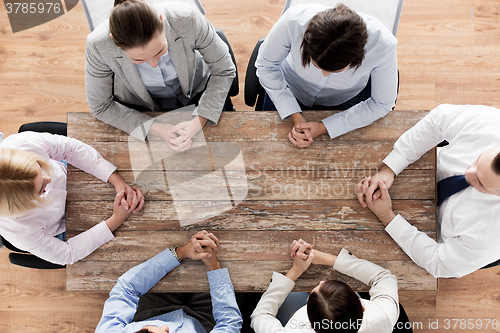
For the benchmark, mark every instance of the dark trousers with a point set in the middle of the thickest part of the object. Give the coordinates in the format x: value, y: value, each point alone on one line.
x: 196, y: 305
x: 363, y: 95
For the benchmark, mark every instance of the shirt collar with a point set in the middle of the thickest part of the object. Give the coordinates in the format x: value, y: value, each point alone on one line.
x: 173, y: 320
x: 476, y: 195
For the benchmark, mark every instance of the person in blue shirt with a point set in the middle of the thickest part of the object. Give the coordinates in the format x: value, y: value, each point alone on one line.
x: 122, y: 309
x: 328, y: 58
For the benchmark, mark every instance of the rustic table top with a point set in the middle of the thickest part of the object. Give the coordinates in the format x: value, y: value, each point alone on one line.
x: 245, y: 182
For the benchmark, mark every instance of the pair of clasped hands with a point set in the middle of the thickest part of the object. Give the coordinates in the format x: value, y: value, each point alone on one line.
x: 304, y: 255
x: 178, y: 137
x: 304, y: 132
x: 202, y: 246
x: 373, y: 192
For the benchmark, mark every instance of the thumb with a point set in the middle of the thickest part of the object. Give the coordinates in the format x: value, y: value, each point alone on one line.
x: 174, y: 129
x: 203, y: 255
x: 383, y: 189
x: 311, y: 257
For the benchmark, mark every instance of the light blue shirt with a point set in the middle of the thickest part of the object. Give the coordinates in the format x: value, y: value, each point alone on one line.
x: 280, y: 71
x: 162, y: 82
x: 121, y: 306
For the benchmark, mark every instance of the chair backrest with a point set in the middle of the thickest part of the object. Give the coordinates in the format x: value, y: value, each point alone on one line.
x: 97, y: 11
x: 388, y: 12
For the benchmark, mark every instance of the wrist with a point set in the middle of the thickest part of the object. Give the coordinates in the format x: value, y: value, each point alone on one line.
x: 181, y: 255
x: 386, y: 169
x: 294, y: 273
x: 113, y: 222
x: 212, y: 266
x: 387, y: 218
x: 202, y: 120
x: 297, y: 118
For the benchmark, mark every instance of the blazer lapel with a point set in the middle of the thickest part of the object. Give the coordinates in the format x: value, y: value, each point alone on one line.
x: 182, y: 62
x: 134, y: 78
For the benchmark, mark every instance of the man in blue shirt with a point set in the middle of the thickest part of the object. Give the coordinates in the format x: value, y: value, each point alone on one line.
x: 122, y: 304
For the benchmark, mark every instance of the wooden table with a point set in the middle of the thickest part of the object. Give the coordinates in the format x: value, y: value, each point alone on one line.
x: 292, y: 193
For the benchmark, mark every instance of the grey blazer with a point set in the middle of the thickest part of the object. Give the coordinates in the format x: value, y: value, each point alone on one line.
x: 197, y: 52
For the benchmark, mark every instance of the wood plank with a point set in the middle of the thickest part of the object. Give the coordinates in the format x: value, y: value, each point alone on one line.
x: 250, y: 245
x: 102, y: 276
x: 252, y: 126
x: 259, y: 185
x: 257, y: 215
x: 275, y: 155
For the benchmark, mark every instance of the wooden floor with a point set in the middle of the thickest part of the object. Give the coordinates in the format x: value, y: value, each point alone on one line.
x: 448, y: 53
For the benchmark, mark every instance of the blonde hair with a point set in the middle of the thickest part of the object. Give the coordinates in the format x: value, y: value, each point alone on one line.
x: 18, y: 170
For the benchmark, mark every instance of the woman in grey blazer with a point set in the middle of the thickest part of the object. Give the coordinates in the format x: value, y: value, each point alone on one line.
x: 152, y: 58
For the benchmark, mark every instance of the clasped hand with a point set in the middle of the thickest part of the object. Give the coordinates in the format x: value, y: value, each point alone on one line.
x: 179, y: 137
x: 303, y: 132
x: 373, y: 192
x: 302, y: 254
x: 202, y: 246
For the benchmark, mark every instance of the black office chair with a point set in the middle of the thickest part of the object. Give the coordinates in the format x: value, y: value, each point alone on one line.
x: 25, y: 259
x: 17, y: 256
x: 254, y: 92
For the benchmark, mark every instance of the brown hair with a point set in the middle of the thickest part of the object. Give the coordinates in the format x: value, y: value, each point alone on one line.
x: 133, y: 23
x: 495, y: 164
x: 335, y: 39
x: 143, y: 330
x: 18, y: 170
x: 334, y: 307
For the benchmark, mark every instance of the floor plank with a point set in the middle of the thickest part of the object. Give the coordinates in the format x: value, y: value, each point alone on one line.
x: 447, y: 53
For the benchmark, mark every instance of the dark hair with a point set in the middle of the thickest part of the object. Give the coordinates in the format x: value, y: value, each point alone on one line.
x: 335, y: 39
x: 336, y: 302
x: 143, y: 330
x: 495, y: 165
x: 133, y: 23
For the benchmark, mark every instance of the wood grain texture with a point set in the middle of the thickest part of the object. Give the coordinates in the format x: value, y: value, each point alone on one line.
x: 261, y: 185
x: 322, y: 156
x: 92, y: 275
x: 258, y: 215
x: 447, y: 53
x: 258, y: 246
x: 255, y: 126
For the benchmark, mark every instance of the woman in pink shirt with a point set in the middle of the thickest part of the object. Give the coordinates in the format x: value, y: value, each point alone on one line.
x: 33, y: 195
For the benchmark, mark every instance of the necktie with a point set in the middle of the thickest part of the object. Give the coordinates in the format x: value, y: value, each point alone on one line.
x: 449, y: 186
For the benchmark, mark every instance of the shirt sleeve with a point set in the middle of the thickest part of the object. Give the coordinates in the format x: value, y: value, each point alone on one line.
x: 384, y: 86
x: 99, y: 81
x: 263, y: 318
x: 272, y: 53
x: 216, y: 55
x: 121, y: 306
x: 425, y: 135
x: 59, y: 252
x: 452, y: 258
x: 224, y: 307
x: 383, y: 285
x: 58, y: 147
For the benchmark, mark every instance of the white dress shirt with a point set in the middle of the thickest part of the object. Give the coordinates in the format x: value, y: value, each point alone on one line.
x: 35, y: 230
x: 280, y: 71
x: 469, y: 228
x: 381, y: 311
